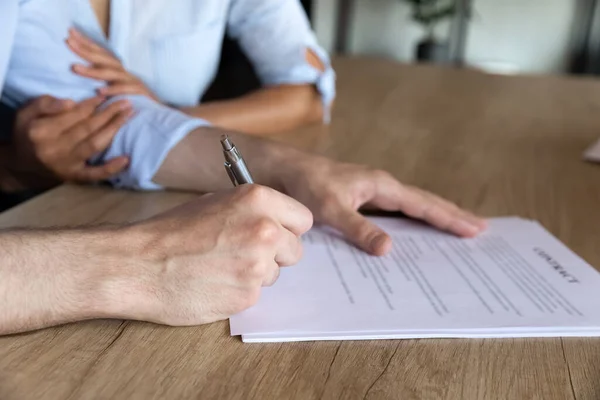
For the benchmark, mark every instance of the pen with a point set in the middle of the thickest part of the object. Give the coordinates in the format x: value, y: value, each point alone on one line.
x: 234, y: 163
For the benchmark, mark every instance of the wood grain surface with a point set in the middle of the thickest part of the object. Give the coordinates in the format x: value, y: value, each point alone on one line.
x: 498, y: 145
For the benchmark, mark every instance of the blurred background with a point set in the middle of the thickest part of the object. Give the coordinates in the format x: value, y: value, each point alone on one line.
x: 511, y: 36
x: 498, y: 36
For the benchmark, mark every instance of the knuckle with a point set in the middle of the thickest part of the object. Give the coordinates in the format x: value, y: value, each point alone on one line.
x: 37, y: 131
x: 380, y: 174
x: 255, y: 194
x: 257, y: 269
x: 432, y: 211
x: 45, y: 153
x: 451, y: 207
x: 85, y: 109
x: 95, y: 145
x: 115, y: 108
x: 44, y: 101
x: 87, y: 127
x: 330, y: 203
x: 265, y: 231
x: 250, y: 271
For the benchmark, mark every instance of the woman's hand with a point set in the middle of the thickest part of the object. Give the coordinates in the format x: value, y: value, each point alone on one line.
x: 104, y: 66
x: 54, y: 138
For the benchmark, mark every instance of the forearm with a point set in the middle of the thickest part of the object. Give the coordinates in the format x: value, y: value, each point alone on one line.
x: 196, y: 163
x: 55, y: 277
x: 266, y: 111
x: 169, y: 149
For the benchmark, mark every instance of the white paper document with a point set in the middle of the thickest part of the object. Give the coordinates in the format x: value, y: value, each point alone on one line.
x: 515, y: 280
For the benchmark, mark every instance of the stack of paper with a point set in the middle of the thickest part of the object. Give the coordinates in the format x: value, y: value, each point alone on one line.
x: 515, y: 280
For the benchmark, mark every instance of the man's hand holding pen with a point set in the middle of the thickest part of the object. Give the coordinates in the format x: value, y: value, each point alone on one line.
x: 246, y: 235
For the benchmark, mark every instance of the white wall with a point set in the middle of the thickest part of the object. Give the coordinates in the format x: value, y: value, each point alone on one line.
x: 532, y: 35
x: 324, y: 19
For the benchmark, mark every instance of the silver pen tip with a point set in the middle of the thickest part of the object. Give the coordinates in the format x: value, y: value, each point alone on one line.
x: 226, y: 143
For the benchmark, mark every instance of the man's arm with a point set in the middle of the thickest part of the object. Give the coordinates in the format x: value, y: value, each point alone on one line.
x: 151, y: 270
x: 55, y: 277
x: 333, y: 191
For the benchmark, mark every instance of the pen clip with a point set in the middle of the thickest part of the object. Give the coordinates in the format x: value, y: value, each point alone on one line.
x: 231, y: 174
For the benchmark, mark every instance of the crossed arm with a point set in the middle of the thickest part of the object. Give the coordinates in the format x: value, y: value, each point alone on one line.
x: 268, y: 110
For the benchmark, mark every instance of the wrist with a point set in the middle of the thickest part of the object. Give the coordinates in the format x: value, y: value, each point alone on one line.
x: 119, y: 273
x: 281, y: 165
x: 93, y: 272
x: 102, y: 264
x: 294, y: 168
x: 52, y: 277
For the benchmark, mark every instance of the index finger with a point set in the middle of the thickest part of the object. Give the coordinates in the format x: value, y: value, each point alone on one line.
x: 90, y: 51
x: 291, y: 214
x: 44, y: 106
x: 360, y: 231
x: 391, y: 195
x: 102, y: 172
x: 70, y: 118
x: 94, y: 123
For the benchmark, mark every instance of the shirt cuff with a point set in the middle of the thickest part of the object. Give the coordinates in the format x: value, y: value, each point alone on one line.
x: 147, y: 139
x: 304, y: 73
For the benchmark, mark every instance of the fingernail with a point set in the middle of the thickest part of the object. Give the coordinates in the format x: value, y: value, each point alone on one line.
x: 377, y: 243
x: 468, y: 228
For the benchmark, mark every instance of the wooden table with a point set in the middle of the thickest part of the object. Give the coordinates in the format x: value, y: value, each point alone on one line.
x: 498, y: 145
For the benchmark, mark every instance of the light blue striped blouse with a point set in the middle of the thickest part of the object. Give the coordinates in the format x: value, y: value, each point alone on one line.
x: 174, y: 47
x: 8, y: 22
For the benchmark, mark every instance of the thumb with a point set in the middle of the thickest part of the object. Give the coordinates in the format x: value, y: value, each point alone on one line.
x: 361, y: 232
